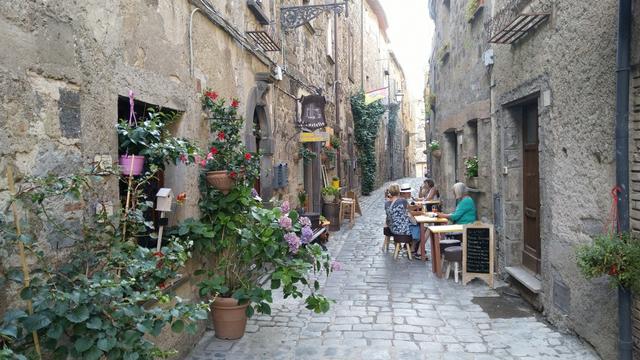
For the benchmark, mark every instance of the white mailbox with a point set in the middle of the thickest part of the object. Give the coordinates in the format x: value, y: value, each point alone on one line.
x: 164, y: 197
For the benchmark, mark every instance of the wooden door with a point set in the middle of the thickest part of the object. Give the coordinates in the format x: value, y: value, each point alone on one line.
x: 531, y: 189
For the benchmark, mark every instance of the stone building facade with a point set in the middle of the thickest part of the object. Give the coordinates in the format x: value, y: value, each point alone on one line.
x: 459, y: 97
x: 546, y: 109
x: 73, y: 65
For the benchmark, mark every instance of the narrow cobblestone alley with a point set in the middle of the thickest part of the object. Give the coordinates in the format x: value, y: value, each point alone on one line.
x: 392, y: 309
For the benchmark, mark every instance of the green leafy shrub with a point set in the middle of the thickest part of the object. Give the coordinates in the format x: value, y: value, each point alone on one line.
x: 616, y: 256
x: 107, y: 298
x: 434, y: 145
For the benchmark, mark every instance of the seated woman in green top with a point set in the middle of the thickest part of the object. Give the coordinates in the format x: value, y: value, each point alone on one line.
x: 465, y: 212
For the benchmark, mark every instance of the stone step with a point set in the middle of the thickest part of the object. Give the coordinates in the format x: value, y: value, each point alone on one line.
x: 525, y: 277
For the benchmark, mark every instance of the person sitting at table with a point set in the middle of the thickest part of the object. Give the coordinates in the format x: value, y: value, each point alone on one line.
x: 405, y: 192
x: 397, y: 212
x: 428, y: 192
x: 465, y: 212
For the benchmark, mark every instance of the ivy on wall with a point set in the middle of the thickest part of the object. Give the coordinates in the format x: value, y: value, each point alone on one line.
x: 366, y: 119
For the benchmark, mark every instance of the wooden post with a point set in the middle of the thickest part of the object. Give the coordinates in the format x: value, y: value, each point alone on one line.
x: 126, y: 206
x: 23, y: 257
x: 159, y: 242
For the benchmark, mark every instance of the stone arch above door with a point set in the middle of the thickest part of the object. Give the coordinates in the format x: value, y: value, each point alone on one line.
x: 257, y: 108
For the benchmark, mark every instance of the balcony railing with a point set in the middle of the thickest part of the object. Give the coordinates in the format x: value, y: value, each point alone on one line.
x: 516, y: 19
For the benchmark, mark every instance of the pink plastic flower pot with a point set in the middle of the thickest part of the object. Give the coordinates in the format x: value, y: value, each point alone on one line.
x: 131, y: 164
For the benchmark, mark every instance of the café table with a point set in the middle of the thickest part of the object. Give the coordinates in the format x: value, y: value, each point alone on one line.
x: 422, y: 220
x: 437, y: 231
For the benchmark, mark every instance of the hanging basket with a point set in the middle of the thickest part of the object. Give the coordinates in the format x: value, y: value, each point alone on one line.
x: 437, y: 153
x: 131, y: 164
x: 220, y: 180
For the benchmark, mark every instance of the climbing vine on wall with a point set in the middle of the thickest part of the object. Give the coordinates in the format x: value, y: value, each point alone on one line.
x: 366, y: 118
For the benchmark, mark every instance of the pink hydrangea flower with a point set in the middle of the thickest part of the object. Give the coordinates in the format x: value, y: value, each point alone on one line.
x: 285, y: 222
x: 285, y: 207
x: 294, y: 242
x: 336, y: 266
x: 305, y: 221
x: 307, y: 234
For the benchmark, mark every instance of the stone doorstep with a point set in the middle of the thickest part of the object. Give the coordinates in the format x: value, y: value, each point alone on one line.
x: 525, y: 277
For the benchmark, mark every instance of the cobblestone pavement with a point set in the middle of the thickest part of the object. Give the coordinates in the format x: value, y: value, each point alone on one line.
x: 392, y: 309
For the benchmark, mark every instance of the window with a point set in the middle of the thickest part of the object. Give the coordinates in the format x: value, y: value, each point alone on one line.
x: 141, y: 110
x: 330, y: 40
x: 350, y: 60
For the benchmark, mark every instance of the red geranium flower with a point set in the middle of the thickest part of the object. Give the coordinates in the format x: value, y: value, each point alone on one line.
x: 180, y: 198
x: 233, y: 175
x: 213, y: 150
x: 613, y: 271
x: 221, y: 135
x: 235, y: 103
x: 183, y: 158
x: 158, y: 254
x: 247, y: 156
x: 211, y: 95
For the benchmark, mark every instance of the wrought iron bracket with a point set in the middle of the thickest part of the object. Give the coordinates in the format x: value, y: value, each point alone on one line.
x: 292, y: 17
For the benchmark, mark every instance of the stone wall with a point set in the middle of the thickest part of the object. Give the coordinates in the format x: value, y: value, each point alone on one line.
x: 567, y: 65
x: 459, y: 81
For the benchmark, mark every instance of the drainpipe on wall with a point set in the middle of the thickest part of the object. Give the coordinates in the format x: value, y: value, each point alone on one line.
x: 622, y: 165
x: 336, y: 84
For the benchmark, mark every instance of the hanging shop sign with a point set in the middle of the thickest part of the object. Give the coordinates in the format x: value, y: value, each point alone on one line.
x: 311, y: 113
x: 321, y: 136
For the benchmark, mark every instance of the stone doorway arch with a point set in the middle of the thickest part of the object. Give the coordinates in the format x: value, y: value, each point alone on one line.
x: 259, y: 134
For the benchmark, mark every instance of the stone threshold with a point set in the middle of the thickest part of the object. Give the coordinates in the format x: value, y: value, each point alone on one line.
x: 525, y: 277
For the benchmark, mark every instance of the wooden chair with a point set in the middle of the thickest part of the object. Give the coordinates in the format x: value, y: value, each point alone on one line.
x: 387, y: 239
x: 352, y: 195
x: 347, y: 205
x: 402, y: 241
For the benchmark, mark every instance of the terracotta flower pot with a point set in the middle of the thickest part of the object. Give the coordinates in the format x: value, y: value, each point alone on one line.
x: 229, y: 318
x: 131, y: 164
x: 220, y: 180
x: 437, y: 153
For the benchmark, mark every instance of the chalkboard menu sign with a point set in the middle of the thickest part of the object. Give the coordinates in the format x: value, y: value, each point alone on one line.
x: 478, y: 253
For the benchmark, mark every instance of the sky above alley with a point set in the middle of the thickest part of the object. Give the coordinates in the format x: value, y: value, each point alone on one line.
x: 410, y: 32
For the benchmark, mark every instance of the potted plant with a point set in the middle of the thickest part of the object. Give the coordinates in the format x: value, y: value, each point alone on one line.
x: 228, y: 160
x: 434, y: 148
x: 471, y: 170
x: 133, y: 142
x: 151, y: 139
x: 335, y: 182
x: 328, y: 154
x: 306, y: 154
x: 617, y: 256
x: 329, y: 194
x: 302, y: 201
x: 335, y: 142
